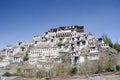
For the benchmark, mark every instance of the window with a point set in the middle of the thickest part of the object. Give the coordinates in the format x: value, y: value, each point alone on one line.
x: 73, y: 39
x: 78, y: 43
x: 36, y: 42
x: 60, y: 39
x: 51, y: 40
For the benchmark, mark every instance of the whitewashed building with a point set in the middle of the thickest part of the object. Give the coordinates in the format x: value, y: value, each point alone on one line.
x: 17, y: 58
x: 66, y: 39
x: 4, y: 62
x: 43, y: 54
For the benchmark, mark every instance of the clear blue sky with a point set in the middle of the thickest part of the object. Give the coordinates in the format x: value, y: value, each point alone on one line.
x: 20, y: 20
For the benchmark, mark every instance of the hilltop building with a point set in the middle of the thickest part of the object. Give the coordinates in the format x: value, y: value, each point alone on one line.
x: 44, y: 50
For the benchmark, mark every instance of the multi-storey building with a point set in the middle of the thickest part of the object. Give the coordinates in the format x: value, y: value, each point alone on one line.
x: 43, y: 54
x: 47, y: 48
x: 67, y: 39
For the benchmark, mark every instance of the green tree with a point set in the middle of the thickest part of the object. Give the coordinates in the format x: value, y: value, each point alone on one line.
x: 107, y: 40
x: 25, y: 58
x: 117, y: 46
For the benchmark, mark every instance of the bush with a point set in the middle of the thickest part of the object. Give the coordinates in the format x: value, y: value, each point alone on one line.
x: 107, y: 40
x: 7, y: 74
x: 109, y: 69
x: 72, y: 71
x: 14, y: 74
x: 41, y: 73
x: 25, y: 58
x: 117, y: 46
x: 118, y: 67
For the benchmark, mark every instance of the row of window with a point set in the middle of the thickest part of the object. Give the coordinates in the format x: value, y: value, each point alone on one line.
x: 104, y: 45
x: 36, y: 53
x: 41, y: 50
x: 47, y: 65
x: 64, y: 34
x: 93, y: 50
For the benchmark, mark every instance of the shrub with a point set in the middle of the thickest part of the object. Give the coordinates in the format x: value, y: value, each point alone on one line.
x: 25, y: 58
x: 41, y: 73
x: 118, y: 67
x: 107, y: 40
x: 72, y: 71
x: 7, y: 74
x: 117, y: 46
x: 15, y: 74
x: 110, y: 69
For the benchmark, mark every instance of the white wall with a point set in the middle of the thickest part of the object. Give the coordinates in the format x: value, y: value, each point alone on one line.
x: 81, y: 59
x: 17, y: 59
x: 93, y: 57
x: 4, y: 63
